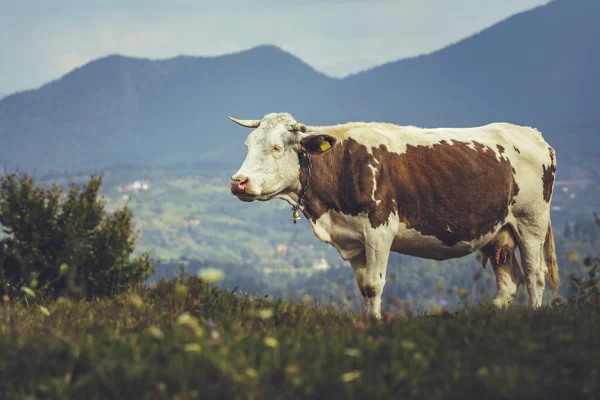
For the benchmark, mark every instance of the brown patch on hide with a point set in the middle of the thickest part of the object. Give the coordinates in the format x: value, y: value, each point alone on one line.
x: 548, y: 181
x: 500, y: 148
x: 516, y: 149
x: 449, y: 190
x: 371, y: 292
x: 362, y: 291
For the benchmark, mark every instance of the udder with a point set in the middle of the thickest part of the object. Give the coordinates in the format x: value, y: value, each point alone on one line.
x: 499, y: 247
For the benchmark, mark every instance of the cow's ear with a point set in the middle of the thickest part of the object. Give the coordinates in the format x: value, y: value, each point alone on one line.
x: 317, y: 144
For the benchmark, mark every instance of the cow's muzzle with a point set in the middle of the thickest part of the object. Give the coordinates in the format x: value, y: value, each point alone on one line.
x: 239, y: 187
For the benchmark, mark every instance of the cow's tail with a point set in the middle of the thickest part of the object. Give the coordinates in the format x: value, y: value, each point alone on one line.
x: 550, y: 255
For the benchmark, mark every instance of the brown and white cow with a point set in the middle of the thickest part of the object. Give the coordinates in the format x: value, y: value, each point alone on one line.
x: 432, y: 193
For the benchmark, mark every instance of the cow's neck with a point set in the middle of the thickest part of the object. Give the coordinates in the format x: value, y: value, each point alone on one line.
x: 341, y: 180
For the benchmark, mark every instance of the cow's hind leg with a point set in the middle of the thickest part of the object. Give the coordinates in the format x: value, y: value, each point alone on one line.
x: 534, y: 267
x: 531, y: 247
x: 508, y: 278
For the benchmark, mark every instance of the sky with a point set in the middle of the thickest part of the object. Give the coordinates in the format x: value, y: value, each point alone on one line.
x: 42, y: 40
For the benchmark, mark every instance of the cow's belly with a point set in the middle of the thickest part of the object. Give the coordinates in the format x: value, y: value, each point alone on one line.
x: 346, y: 234
x: 413, y: 243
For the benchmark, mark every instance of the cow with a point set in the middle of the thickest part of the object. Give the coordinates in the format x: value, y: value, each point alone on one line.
x: 371, y: 188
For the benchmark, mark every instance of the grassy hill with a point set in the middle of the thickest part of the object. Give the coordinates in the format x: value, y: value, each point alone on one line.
x: 185, y: 340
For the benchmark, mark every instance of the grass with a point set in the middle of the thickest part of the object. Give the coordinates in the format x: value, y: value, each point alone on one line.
x: 184, y: 339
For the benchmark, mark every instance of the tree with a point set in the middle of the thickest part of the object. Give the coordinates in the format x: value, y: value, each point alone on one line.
x: 66, y: 245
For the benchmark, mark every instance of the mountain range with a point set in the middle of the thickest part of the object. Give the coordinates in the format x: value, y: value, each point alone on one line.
x: 537, y: 68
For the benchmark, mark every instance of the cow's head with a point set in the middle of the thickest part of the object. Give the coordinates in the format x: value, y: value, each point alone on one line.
x: 272, y: 165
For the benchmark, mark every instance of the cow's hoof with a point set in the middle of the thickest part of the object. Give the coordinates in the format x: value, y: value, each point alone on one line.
x: 501, y: 303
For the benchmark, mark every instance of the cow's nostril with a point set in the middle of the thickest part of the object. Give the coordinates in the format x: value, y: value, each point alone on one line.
x: 240, y: 180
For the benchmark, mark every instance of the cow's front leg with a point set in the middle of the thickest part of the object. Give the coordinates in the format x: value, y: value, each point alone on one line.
x: 359, y: 265
x: 370, y: 268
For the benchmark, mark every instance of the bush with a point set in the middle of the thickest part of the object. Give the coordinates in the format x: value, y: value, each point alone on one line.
x: 66, y: 245
x: 586, y: 289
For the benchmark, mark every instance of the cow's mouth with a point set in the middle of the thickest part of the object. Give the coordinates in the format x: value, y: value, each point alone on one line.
x: 241, y: 192
x: 247, y: 197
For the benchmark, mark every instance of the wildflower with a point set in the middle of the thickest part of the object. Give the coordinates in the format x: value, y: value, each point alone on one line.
x: 585, y: 389
x: 62, y: 269
x: 155, y: 332
x: 251, y: 372
x: 264, y: 313
x: 350, y: 376
x: 271, y: 342
x: 211, y: 323
x: 482, y: 372
x: 192, y: 348
x: 443, y: 303
x: 181, y: 291
x: 5, y: 298
x: 360, y: 326
x: 573, y: 256
x: 408, y: 345
x: 211, y: 275
x: 214, y: 335
x: 352, y: 352
x: 187, y: 320
x: 136, y: 301
x: 28, y: 291
x: 462, y: 292
x: 307, y: 300
x: 44, y: 311
x: 388, y: 320
x: 291, y: 369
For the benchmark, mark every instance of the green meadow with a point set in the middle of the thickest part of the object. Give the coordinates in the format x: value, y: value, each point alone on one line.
x: 186, y: 339
x: 230, y: 314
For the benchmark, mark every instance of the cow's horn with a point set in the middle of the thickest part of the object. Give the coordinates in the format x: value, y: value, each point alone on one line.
x: 300, y: 127
x: 248, y: 123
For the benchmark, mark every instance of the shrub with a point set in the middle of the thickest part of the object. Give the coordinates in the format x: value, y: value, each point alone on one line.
x: 586, y: 289
x: 66, y: 245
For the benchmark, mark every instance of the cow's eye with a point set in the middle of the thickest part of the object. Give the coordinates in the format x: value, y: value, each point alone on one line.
x: 277, y: 148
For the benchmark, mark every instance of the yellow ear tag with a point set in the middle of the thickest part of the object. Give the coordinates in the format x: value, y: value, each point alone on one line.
x: 325, y: 145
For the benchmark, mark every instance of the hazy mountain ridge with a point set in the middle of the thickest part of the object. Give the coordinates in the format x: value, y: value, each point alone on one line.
x: 536, y: 68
